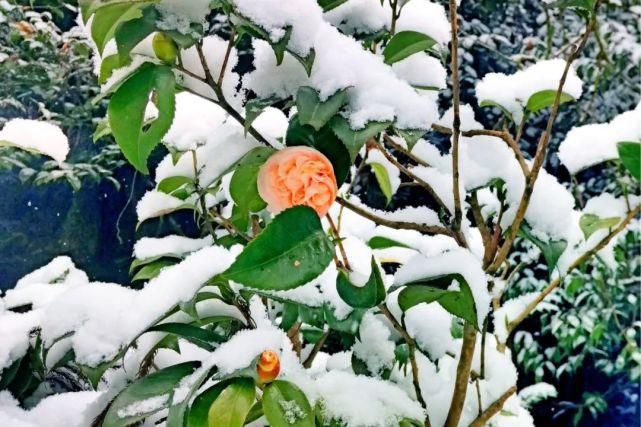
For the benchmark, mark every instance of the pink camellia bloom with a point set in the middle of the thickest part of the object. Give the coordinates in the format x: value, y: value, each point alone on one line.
x: 297, y: 176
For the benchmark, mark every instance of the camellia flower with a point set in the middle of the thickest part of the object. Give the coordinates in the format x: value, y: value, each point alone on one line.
x: 297, y: 176
x: 268, y: 366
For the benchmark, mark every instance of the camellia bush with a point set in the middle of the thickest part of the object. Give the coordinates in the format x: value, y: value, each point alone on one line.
x: 300, y: 304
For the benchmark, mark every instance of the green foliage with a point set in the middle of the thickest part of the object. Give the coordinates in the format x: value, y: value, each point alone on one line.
x: 369, y: 295
x: 231, y: 407
x: 284, y: 404
x: 289, y: 252
x: 314, y: 112
x: 551, y: 249
x: 544, y: 99
x: 630, y: 155
x: 591, y: 223
x: 406, y: 43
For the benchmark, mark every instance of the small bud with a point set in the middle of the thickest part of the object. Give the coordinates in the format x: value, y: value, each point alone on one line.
x: 165, y: 48
x: 268, y: 366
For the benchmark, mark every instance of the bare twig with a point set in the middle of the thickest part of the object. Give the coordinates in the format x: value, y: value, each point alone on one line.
x: 493, y: 409
x: 223, y: 67
x: 462, y: 376
x: 405, y: 152
x: 540, y: 155
x: 412, y: 355
x: 317, y: 346
x: 456, y: 124
x: 427, y: 229
x: 339, y: 242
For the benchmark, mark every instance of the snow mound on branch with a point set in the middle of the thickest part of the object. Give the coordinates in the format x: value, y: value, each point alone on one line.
x: 360, y: 16
x: 36, y: 136
x: 59, y: 410
x: 425, y: 17
x: 588, y: 145
x: 513, y: 91
x: 150, y: 247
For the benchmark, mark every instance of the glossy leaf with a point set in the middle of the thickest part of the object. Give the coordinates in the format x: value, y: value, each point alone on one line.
x: 355, y: 139
x: 292, y: 250
x: 153, y: 269
x: 551, y: 249
x: 108, y: 18
x: 285, y: 405
x: 231, y: 407
x: 544, y: 99
x: 380, y: 242
x: 369, y: 295
x: 630, y: 155
x: 243, y: 188
x: 254, y: 108
x: 129, y: 34
x: 328, y: 5
x: 203, y: 338
x: 406, y: 43
x: 314, y: 112
x: 127, y: 108
x: 383, y: 180
x: 155, y: 385
x: 459, y: 302
x: 591, y: 223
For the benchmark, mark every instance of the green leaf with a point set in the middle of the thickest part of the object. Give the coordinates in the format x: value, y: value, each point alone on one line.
x: 306, y: 61
x: 371, y: 294
x: 281, y: 45
x: 630, y: 155
x: 157, y: 384
x: 199, y: 411
x: 127, y: 109
x: 177, y: 186
x: 460, y: 302
x: 285, y: 405
x: 355, y: 139
x: 231, y: 407
x: 411, y: 136
x: 244, y: 189
x: 254, y: 108
x: 324, y: 141
x: 328, y: 5
x: 132, y: 32
x: 406, y: 43
x: 380, y: 242
x: 591, y: 223
x: 292, y: 250
x: 490, y: 103
x: 201, y: 337
x: 108, y: 18
x: 314, y: 112
x: 551, y: 249
x: 544, y: 99
x: 383, y: 180
x: 153, y: 269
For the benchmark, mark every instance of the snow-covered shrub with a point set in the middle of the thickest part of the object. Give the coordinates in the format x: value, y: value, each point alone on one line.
x: 299, y: 304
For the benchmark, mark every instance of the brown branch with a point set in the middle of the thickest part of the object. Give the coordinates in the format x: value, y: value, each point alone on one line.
x: 339, y: 242
x: 405, y: 152
x: 502, y: 134
x: 223, y: 67
x: 411, y: 345
x: 486, y: 236
x: 541, y: 151
x: 576, y: 263
x: 456, y: 124
x: 462, y: 376
x: 493, y: 409
x: 317, y: 346
x: 427, y: 229
x: 426, y: 186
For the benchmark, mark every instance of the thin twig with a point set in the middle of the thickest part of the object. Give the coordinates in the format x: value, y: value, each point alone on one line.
x: 541, y: 151
x: 462, y: 376
x: 427, y: 229
x: 412, y: 355
x: 396, y: 146
x: 493, y: 409
x: 576, y: 263
x: 456, y: 124
x: 338, y: 241
x: 223, y: 67
x: 317, y: 346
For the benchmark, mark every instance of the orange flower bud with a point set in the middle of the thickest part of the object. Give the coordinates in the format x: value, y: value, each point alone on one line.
x: 268, y: 366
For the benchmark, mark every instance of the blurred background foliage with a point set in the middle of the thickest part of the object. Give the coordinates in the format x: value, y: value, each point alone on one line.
x: 585, y: 341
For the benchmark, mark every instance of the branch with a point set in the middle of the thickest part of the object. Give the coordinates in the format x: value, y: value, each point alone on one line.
x: 221, y: 97
x: 541, y: 151
x: 456, y: 89
x: 405, y: 152
x: 412, y: 355
x: 223, y: 67
x: 427, y: 229
x: 317, y: 346
x: 502, y: 134
x: 462, y: 376
x: 576, y: 263
x: 493, y: 409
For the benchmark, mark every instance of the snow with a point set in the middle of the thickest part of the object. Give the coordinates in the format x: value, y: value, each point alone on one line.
x: 425, y: 17
x: 36, y: 136
x: 272, y: 124
x: 360, y: 16
x: 106, y: 317
x: 60, y: 269
x: 537, y: 392
x: 155, y: 203
x: 14, y: 330
x: 421, y: 70
x: 150, y: 247
x: 178, y: 14
x: 59, y: 410
x: 360, y: 401
x: 195, y: 122
x: 513, y: 91
x: 508, y: 312
x: 588, y: 145
x: 144, y: 406
x: 460, y: 261
x: 414, y: 214
x: 375, y: 92
x: 429, y: 325
x: 373, y: 345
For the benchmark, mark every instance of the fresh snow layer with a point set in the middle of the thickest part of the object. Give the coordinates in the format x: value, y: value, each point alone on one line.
x: 36, y: 136
x: 425, y: 17
x: 513, y: 91
x: 58, y: 410
x: 360, y: 16
x: 588, y: 145
x: 150, y: 247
